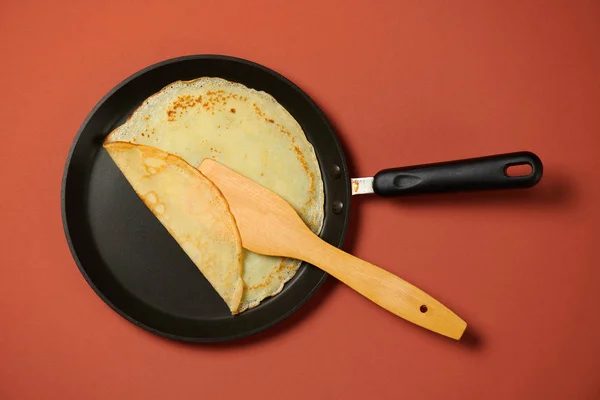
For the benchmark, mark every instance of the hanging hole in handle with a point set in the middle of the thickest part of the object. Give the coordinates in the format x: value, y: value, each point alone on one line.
x: 518, y: 170
x: 423, y: 308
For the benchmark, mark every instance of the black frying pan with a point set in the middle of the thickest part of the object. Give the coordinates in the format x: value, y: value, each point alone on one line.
x: 138, y: 269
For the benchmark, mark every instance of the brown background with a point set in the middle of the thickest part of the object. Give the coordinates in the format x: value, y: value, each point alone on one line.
x: 404, y: 82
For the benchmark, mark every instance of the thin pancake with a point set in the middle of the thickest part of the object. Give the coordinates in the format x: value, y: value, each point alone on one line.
x: 192, y: 209
x: 251, y: 133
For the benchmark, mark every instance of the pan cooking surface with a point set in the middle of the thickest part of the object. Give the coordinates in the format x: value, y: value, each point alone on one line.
x: 129, y: 258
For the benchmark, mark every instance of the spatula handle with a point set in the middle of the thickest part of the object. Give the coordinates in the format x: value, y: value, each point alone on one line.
x: 387, y: 290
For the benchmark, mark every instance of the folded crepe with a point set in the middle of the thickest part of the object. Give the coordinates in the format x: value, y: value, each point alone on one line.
x: 192, y: 209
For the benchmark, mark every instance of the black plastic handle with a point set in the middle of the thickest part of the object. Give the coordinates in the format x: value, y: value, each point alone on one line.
x: 482, y: 173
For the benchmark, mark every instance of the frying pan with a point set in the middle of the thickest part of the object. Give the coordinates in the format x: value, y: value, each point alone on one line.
x: 139, y: 270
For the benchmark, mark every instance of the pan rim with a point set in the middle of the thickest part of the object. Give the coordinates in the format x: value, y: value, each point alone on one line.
x: 344, y: 175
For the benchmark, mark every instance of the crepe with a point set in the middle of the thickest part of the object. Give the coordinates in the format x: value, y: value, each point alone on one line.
x: 249, y: 132
x: 192, y: 209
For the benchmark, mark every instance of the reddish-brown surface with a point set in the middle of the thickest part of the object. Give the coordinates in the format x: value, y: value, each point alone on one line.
x: 404, y: 82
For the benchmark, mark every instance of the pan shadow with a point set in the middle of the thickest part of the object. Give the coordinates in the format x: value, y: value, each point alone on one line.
x: 553, y: 191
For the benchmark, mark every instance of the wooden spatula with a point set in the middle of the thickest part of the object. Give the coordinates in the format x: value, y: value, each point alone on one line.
x: 269, y: 225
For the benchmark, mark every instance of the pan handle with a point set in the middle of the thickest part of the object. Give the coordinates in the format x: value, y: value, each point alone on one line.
x: 482, y: 173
